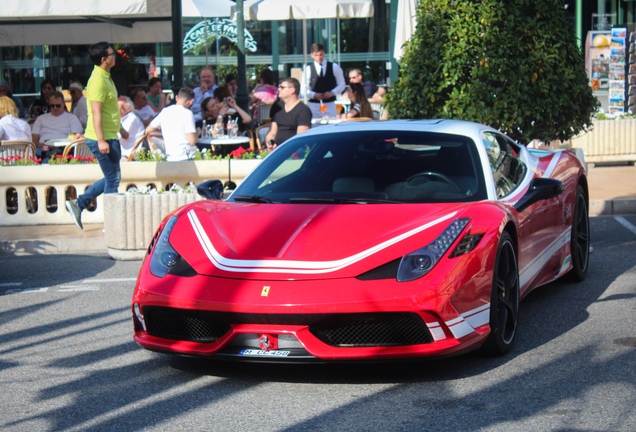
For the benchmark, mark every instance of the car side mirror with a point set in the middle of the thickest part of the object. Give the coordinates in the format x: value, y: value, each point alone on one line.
x: 540, y: 189
x: 211, y: 189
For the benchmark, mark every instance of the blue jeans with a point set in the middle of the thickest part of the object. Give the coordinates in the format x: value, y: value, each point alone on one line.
x: 109, y: 163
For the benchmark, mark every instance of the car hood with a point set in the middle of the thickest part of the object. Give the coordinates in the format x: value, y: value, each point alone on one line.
x: 303, y: 241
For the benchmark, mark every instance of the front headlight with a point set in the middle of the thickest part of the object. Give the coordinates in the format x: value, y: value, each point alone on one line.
x: 417, y: 264
x: 164, y: 256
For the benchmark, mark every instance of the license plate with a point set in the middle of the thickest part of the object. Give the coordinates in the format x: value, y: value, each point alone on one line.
x: 263, y: 353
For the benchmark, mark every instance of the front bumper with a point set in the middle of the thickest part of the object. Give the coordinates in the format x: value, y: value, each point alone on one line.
x: 311, y: 320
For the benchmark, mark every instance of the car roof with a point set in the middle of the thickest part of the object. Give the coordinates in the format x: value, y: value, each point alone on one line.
x: 456, y: 127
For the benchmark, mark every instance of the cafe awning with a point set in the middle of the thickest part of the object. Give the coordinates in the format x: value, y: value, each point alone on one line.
x: 70, y: 22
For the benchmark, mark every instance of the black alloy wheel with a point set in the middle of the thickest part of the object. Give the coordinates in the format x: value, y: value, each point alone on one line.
x: 580, y: 241
x: 504, y: 303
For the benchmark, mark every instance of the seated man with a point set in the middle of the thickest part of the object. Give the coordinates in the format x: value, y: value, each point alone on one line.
x: 78, y: 105
x: 176, y: 124
x: 290, y: 116
x: 371, y: 89
x: 58, y: 124
x: 131, y: 124
x: 141, y: 107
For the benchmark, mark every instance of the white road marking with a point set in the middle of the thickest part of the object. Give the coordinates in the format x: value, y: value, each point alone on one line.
x: 27, y: 290
x: 110, y: 280
x: 78, y: 288
x: 10, y: 284
x: 621, y: 220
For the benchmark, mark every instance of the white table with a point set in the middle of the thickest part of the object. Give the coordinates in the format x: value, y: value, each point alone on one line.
x: 325, y: 121
x: 58, y: 142
x: 225, y: 140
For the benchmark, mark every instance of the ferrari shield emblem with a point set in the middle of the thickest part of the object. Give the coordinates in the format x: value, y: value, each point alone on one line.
x: 265, y: 291
x: 266, y: 342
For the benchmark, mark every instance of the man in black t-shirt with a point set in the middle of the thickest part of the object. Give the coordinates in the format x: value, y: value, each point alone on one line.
x: 289, y: 116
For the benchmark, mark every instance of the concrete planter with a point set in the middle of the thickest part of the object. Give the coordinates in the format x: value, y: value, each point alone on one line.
x: 608, y: 141
x: 130, y: 221
x: 78, y: 177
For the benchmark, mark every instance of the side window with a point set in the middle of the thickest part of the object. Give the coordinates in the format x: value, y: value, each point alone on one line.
x: 505, y: 165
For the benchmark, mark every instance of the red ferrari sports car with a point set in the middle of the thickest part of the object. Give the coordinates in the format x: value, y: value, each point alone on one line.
x: 366, y: 240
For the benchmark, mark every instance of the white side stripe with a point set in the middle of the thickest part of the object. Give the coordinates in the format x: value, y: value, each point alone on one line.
x: 553, y: 163
x: 289, y: 266
x: 530, y: 271
x: 436, y: 331
x: 468, y: 321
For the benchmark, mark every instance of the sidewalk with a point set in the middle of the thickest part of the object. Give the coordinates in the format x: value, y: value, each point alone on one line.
x: 612, y: 192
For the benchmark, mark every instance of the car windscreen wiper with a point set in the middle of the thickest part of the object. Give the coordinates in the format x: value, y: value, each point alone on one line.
x: 253, y: 198
x: 344, y: 200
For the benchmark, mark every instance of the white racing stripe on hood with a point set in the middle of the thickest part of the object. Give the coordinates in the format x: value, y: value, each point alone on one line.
x: 289, y: 266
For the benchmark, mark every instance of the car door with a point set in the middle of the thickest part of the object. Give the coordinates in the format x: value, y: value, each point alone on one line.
x: 537, y: 223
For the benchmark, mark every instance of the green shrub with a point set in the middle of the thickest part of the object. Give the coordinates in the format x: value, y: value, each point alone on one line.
x: 513, y: 65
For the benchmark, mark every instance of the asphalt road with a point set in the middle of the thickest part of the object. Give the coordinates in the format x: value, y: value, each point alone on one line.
x: 68, y: 363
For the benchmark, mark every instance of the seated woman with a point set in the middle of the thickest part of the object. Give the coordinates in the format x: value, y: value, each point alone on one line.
x: 360, y: 106
x: 265, y: 91
x: 12, y: 127
x: 156, y: 98
x: 222, y: 103
x: 5, y: 90
x: 41, y: 105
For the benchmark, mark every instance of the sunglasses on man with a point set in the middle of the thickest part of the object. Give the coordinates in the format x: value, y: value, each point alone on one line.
x: 55, y: 105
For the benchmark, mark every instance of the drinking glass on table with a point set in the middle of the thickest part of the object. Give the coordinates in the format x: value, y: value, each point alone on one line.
x: 323, y: 107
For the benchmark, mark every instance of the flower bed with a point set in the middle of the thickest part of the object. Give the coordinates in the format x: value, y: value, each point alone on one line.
x: 71, y: 160
x: 19, y: 161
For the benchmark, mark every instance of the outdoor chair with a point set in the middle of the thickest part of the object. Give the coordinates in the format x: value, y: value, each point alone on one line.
x: 357, y: 119
x: 261, y: 133
x: 79, y: 148
x: 263, y: 112
x: 144, y: 141
x: 20, y: 148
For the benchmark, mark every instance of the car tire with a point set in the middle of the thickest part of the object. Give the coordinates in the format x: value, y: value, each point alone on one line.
x: 504, y: 299
x: 580, y: 239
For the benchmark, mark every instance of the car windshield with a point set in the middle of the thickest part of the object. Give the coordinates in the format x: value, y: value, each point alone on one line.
x: 368, y: 167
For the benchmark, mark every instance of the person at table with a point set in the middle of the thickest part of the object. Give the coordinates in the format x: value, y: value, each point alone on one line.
x: 78, y: 102
x: 156, y: 99
x: 5, y: 90
x: 230, y: 83
x: 213, y: 105
x: 371, y: 89
x: 141, y: 106
x: 12, y: 127
x: 360, y: 106
x: 41, y: 105
x: 205, y: 90
x: 58, y: 124
x: 289, y: 116
x: 326, y: 80
x: 131, y: 124
x: 265, y: 91
x: 220, y: 104
x: 176, y: 124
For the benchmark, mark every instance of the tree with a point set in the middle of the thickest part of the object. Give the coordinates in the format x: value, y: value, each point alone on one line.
x: 511, y: 64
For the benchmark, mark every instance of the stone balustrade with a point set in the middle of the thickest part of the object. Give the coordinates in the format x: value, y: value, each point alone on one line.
x: 25, y: 188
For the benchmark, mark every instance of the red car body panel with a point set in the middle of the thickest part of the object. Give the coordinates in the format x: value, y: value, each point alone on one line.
x: 284, y: 259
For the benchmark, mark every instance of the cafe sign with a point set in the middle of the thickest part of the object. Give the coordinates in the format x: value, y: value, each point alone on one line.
x: 226, y: 28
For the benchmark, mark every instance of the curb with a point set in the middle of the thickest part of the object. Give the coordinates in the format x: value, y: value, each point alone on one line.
x: 48, y: 246
x: 620, y: 206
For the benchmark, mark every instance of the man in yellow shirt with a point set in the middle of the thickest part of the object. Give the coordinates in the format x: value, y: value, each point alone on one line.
x: 101, y: 129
